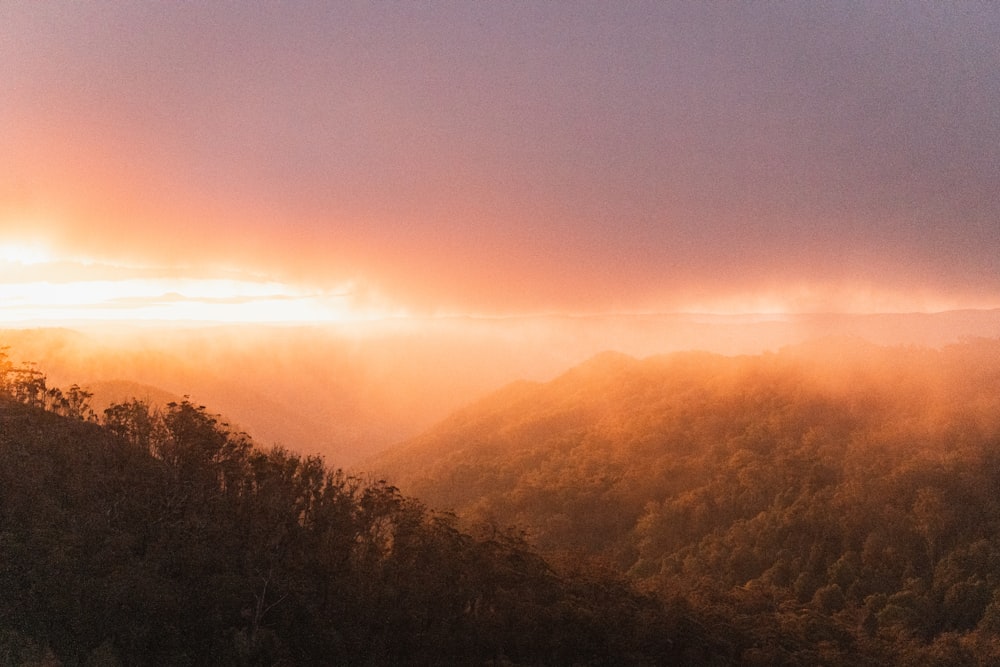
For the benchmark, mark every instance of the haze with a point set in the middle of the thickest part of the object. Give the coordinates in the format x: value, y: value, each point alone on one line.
x: 396, y: 208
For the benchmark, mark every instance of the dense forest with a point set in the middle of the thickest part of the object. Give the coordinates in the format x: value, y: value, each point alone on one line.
x: 831, y: 503
x: 164, y: 537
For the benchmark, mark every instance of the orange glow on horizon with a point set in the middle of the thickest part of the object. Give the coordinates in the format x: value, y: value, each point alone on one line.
x: 25, y: 253
x: 839, y: 299
x: 38, y: 285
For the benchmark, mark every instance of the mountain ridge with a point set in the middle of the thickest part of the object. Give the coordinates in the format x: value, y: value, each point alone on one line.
x: 835, y: 479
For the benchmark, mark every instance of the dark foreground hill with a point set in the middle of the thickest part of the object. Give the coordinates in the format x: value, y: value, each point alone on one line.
x: 166, y: 539
x: 834, y: 499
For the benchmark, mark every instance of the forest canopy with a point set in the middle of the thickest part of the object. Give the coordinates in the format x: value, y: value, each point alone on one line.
x: 829, y: 500
x: 149, y: 536
x: 833, y: 503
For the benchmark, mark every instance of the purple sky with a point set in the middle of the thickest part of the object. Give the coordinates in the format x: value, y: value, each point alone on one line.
x: 517, y: 157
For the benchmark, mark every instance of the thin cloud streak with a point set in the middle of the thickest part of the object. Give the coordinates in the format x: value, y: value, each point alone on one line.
x: 66, y: 290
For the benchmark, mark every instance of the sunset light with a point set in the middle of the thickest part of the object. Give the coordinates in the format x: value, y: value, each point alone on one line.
x: 165, y: 301
x: 24, y: 254
x: 523, y: 333
x: 498, y: 161
x: 39, y: 286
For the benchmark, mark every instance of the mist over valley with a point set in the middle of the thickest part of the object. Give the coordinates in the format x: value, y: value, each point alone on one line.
x: 350, y: 391
x: 832, y: 487
x: 591, y: 334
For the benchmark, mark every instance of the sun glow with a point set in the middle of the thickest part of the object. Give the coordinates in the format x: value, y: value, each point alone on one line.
x: 38, y: 286
x: 25, y: 253
x: 41, y: 285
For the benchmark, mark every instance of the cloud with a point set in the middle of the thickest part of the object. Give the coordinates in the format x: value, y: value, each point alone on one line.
x: 54, y: 288
x: 511, y: 157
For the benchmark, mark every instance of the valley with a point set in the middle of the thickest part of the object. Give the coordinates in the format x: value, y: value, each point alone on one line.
x: 836, y: 493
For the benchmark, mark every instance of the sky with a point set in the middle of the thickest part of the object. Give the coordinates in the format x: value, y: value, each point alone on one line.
x: 331, y: 160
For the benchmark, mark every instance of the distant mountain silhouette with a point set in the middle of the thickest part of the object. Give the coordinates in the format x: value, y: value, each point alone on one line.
x: 118, y: 391
x: 355, y: 390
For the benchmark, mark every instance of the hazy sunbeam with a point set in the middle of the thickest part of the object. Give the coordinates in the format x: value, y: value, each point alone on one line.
x: 37, y: 285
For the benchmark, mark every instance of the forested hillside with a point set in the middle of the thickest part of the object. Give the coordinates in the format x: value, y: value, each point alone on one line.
x: 350, y: 391
x: 831, y: 500
x: 141, y: 537
x: 835, y: 503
